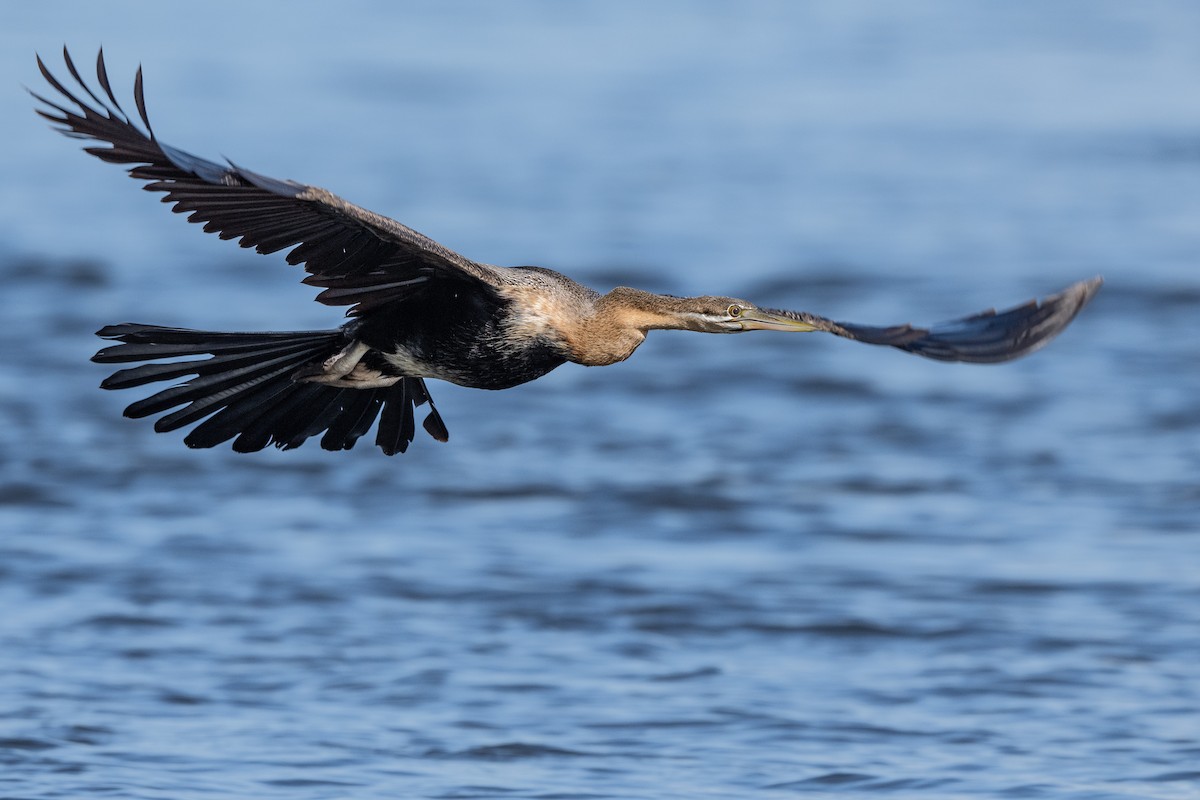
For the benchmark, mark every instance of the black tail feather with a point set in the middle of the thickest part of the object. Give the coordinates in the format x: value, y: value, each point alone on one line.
x: 245, y: 390
x: 355, y: 419
x: 152, y: 373
x: 208, y: 389
x: 396, y: 426
x: 289, y: 421
x: 238, y: 414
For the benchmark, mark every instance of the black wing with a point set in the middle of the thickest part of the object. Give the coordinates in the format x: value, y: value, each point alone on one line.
x: 361, y: 258
x: 985, y: 338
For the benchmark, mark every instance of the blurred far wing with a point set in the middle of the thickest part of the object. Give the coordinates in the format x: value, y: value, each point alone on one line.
x: 986, y: 338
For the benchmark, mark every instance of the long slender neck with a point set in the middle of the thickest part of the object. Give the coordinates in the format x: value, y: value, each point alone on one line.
x: 619, y: 322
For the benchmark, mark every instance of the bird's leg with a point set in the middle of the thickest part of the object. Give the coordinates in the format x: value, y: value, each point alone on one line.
x: 345, y: 370
x: 344, y: 361
x: 335, y: 367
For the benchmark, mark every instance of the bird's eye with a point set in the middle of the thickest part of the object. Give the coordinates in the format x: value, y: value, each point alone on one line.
x: 734, y: 311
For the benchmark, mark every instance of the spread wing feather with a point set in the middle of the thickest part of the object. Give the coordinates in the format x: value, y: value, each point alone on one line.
x: 361, y: 259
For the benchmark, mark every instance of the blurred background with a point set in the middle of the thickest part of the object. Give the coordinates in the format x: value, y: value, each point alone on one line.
x: 730, y: 566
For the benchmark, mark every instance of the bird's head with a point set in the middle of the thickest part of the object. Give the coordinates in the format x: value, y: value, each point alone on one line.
x: 644, y: 311
x: 731, y: 315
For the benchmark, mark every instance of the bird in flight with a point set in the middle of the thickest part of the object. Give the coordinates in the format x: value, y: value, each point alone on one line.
x: 417, y: 309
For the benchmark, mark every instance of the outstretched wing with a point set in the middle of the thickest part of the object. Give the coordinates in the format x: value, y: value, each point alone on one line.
x: 985, y: 338
x: 362, y: 259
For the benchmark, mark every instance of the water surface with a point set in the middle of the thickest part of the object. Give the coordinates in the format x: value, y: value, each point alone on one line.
x: 732, y: 566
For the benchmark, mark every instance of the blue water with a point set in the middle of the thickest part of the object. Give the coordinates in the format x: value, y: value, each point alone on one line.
x: 731, y: 567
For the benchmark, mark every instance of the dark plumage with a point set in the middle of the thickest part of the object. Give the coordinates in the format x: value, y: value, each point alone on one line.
x: 418, y: 310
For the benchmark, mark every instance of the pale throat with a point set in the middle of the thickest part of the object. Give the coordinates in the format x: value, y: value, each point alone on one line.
x: 617, y: 326
x: 596, y: 331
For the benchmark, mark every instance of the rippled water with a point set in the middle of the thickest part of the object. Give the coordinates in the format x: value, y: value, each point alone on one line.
x: 733, y: 566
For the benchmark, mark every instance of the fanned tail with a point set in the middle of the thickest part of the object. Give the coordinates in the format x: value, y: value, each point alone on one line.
x: 245, y: 390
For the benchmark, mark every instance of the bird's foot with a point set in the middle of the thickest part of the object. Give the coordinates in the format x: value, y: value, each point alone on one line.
x: 344, y: 361
x: 360, y: 378
x: 338, y: 365
x: 345, y: 369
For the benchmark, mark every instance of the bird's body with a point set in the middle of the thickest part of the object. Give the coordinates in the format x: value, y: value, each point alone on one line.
x: 489, y: 339
x: 418, y: 310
